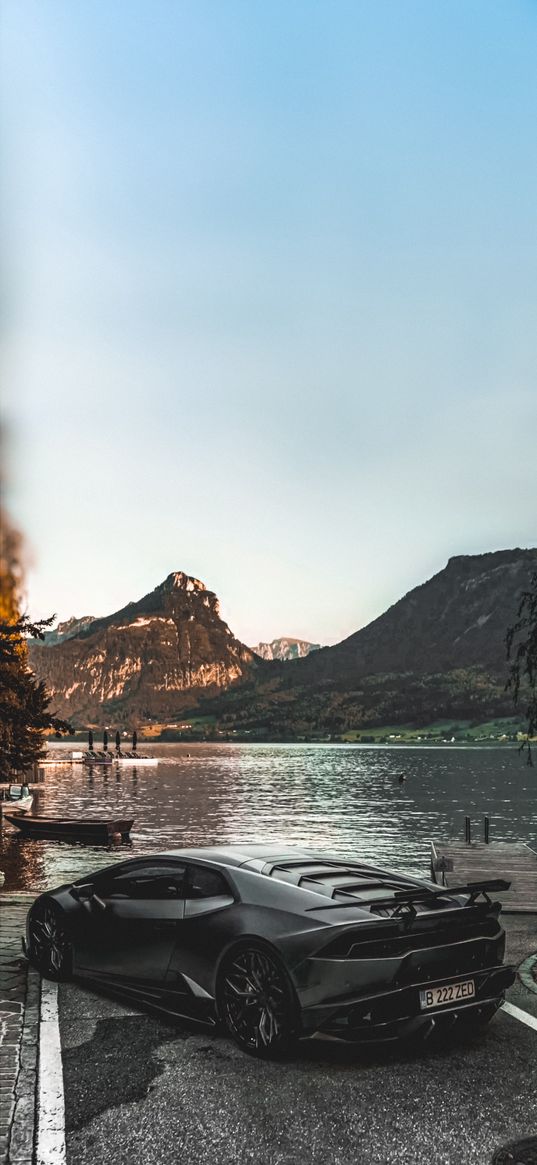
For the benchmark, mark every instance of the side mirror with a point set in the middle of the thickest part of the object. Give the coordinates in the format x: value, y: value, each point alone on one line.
x: 83, y: 892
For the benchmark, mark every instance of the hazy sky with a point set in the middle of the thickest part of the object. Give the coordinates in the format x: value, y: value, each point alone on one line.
x: 270, y: 319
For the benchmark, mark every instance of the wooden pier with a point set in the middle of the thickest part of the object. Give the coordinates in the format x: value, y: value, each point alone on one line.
x: 454, y: 863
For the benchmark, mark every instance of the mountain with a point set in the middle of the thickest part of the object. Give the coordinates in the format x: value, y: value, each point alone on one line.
x: 285, y: 648
x: 438, y: 653
x: 67, y: 629
x: 457, y: 619
x: 152, y: 659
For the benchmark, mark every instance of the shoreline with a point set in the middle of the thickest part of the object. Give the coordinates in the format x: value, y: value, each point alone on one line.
x: 188, y: 742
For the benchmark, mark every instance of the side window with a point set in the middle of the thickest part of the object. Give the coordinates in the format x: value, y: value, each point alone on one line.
x: 156, y: 882
x: 205, y: 883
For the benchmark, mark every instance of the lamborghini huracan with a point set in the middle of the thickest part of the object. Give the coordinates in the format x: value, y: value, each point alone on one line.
x: 274, y: 944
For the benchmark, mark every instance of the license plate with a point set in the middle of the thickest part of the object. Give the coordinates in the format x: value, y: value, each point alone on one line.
x: 450, y: 993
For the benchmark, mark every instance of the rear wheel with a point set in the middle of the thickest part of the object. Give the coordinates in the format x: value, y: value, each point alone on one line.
x: 256, y: 1001
x: 49, y: 946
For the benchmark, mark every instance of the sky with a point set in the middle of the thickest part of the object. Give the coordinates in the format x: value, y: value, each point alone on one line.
x: 270, y: 276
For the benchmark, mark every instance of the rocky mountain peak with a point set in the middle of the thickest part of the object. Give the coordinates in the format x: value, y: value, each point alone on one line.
x: 285, y: 648
x: 180, y: 581
x: 155, y: 657
x: 474, y: 564
x: 68, y: 628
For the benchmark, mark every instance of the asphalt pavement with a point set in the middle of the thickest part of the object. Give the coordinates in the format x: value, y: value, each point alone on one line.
x: 152, y: 1093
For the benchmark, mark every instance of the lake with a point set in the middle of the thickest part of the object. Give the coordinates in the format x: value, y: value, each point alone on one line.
x: 343, y: 798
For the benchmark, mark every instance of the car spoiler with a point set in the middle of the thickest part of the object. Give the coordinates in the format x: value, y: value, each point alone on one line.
x: 401, y: 899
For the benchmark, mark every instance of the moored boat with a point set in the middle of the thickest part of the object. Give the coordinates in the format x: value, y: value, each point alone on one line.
x: 134, y: 758
x: 89, y: 829
x: 91, y: 757
x: 61, y: 757
x: 16, y: 797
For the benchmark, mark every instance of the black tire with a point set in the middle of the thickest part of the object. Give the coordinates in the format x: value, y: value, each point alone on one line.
x: 256, y: 1001
x: 49, y: 949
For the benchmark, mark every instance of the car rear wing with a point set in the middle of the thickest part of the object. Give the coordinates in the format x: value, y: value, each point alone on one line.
x: 474, y: 890
x: 403, y: 902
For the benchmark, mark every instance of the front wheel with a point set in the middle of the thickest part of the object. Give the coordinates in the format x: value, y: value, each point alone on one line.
x: 256, y: 1001
x: 49, y: 948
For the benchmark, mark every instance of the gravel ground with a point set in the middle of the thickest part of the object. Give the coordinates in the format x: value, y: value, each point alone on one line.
x: 153, y: 1093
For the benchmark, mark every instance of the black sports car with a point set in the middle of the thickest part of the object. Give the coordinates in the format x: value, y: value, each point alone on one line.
x: 277, y: 944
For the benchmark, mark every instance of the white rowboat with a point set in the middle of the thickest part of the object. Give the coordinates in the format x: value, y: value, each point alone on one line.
x: 132, y: 758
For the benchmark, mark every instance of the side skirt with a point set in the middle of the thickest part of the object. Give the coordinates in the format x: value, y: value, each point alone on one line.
x: 184, y: 1005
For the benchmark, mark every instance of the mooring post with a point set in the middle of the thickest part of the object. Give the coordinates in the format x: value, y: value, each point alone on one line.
x: 467, y: 830
x: 487, y: 830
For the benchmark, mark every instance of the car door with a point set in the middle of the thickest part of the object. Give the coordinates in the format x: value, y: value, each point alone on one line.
x: 203, y: 931
x: 131, y: 921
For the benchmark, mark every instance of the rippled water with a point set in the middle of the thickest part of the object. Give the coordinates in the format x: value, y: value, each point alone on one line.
x: 344, y: 798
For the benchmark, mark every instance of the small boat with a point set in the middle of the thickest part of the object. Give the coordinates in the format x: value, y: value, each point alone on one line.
x: 96, y: 758
x: 93, y: 830
x: 134, y: 758
x: 62, y: 757
x: 16, y: 797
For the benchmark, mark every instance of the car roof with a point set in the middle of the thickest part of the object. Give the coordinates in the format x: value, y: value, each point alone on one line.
x: 308, y: 879
x: 294, y: 866
x: 240, y: 855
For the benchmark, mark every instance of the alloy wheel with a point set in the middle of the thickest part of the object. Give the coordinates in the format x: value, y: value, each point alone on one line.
x: 49, y: 946
x: 256, y: 1002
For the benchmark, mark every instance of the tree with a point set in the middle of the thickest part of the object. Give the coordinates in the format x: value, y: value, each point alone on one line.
x: 521, y: 643
x: 24, y: 703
